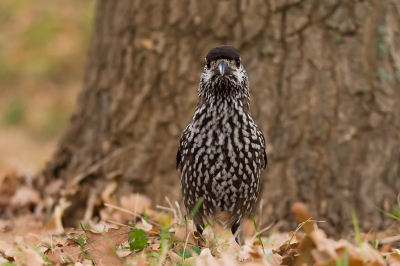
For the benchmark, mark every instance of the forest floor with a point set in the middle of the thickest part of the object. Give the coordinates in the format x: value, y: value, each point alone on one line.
x: 38, y: 88
x: 132, y: 231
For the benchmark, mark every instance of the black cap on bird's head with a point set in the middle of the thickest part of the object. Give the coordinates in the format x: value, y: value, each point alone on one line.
x: 223, y: 52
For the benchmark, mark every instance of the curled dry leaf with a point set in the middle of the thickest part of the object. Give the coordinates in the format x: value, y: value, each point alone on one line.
x: 24, y: 196
x: 146, y: 226
x: 53, y: 187
x: 302, y: 215
x: 54, y: 225
x: 107, y: 195
x: 26, y: 255
x: 275, y: 260
x: 390, y: 239
x: 174, y: 257
x: 286, y: 248
x: 9, y: 182
x: 206, y: 258
x: 342, y: 246
x: 385, y: 248
x: 305, y: 258
x: 324, y: 248
x: 371, y: 255
x: 6, y: 249
x: 246, y: 253
x: 393, y: 259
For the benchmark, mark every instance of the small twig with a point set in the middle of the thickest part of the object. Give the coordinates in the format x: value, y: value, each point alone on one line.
x: 167, y: 209
x: 136, y: 204
x: 120, y: 224
x: 134, y: 214
x: 261, y: 208
x: 184, y: 248
x: 172, y: 207
x: 90, y: 205
x: 299, y: 227
x: 389, y: 239
x: 261, y: 231
x: 179, y: 211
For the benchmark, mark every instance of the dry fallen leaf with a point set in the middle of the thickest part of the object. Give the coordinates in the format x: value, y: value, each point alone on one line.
x: 206, y: 258
x: 371, y: 255
x: 394, y: 258
x: 6, y: 249
x: 142, y: 260
x: 20, y: 234
x: 136, y: 203
x: 9, y: 182
x: 21, y: 226
x: 302, y: 215
x: 24, y: 196
x: 26, y: 255
x: 174, y: 257
x: 102, y: 245
x: 254, y: 263
x: 275, y: 260
x: 185, y: 234
x: 61, y: 254
x: 324, y: 251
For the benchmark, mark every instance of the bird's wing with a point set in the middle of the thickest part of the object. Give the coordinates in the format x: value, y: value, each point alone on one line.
x: 182, y: 144
x: 264, y: 160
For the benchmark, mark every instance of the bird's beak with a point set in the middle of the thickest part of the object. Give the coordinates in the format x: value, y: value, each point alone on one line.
x: 223, y: 68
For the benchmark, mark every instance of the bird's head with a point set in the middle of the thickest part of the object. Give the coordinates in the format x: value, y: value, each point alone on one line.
x: 223, y: 74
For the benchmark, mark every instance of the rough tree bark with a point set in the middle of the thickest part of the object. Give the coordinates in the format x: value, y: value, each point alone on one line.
x: 324, y: 80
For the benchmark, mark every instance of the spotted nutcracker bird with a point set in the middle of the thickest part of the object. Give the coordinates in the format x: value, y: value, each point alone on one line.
x: 222, y: 151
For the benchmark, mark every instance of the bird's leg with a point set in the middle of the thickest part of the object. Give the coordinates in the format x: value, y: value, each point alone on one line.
x: 200, y: 229
x: 234, y: 229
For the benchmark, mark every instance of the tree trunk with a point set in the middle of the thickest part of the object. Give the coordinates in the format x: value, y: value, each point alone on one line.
x: 324, y: 81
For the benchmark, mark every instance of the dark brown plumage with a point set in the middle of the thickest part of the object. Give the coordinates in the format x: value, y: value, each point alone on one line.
x: 222, y: 151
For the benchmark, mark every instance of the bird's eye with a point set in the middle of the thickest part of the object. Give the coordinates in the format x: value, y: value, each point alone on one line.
x: 238, y: 63
x: 208, y: 65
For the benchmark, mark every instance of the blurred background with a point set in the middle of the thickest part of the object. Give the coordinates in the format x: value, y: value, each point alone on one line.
x: 43, y: 48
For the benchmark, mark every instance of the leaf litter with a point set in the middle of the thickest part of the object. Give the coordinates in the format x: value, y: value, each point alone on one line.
x: 132, y: 232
